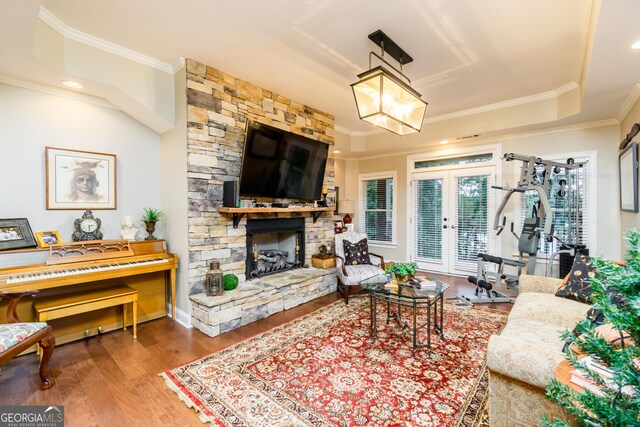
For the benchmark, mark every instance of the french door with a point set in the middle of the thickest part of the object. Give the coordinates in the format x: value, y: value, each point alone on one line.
x: 451, y: 218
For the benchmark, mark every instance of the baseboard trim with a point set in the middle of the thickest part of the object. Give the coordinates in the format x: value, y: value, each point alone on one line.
x: 181, y: 317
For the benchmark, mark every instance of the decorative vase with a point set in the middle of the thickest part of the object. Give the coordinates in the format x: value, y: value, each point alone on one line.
x: 213, y: 281
x: 404, y: 279
x: 151, y: 227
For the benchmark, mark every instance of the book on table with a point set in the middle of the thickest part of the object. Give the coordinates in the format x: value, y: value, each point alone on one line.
x: 580, y: 377
x: 581, y: 380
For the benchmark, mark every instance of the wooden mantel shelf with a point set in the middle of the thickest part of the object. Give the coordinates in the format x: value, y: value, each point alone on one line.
x: 239, y: 213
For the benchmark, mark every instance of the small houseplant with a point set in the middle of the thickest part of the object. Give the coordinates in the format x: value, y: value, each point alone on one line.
x: 403, y: 271
x: 150, y: 217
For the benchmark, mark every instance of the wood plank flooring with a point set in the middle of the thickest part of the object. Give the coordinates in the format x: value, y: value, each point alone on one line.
x: 112, y: 380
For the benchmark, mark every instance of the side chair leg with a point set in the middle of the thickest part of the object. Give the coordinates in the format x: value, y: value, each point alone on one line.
x: 47, y: 344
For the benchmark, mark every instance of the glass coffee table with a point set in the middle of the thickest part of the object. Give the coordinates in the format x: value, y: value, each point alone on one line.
x: 429, y: 297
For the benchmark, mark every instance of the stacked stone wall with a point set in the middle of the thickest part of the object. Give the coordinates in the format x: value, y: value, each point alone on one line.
x: 218, y: 109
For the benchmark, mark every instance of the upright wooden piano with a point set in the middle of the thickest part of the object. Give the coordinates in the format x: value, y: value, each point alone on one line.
x: 143, y: 265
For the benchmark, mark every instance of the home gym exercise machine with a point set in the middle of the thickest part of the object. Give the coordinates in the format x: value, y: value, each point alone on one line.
x: 536, y: 175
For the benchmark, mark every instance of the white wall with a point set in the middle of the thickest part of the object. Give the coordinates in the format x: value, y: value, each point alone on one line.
x: 629, y: 219
x: 174, y: 195
x: 32, y: 120
x: 602, y: 139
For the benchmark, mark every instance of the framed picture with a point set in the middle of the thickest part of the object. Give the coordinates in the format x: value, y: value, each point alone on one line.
x: 46, y: 238
x: 15, y: 233
x: 80, y: 179
x: 628, y: 161
x: 338, y: 226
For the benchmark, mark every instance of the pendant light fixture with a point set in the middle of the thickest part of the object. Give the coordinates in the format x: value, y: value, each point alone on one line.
x: 385, y: 100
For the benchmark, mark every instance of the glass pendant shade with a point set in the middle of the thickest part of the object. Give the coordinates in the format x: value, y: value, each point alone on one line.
x: 386, y: 101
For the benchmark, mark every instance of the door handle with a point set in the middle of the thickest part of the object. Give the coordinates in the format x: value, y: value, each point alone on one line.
x: 453, y: 226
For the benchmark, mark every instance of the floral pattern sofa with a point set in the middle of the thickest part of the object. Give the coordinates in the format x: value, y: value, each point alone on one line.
x: 523, y: 358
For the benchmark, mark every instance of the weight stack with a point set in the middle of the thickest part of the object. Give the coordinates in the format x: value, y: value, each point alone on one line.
x: 566, y: 261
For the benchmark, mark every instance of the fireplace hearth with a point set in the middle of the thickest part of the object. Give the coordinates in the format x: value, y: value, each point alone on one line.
x: 274, y: 245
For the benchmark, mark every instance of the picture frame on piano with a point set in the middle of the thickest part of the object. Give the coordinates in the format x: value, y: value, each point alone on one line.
x: 15, y: 233
x: 46, y: 238
x: 80, y: 179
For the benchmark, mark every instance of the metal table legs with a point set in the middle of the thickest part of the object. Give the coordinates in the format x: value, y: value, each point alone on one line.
x: 437, y: 303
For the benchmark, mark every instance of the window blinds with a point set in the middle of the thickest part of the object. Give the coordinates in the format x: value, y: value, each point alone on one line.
x: 376, y: 214
x: 564, y: 208
x: 471, y: 221
x: 427, y: 223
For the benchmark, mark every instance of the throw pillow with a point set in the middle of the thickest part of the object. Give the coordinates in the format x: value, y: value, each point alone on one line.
x: 577, y: 288
x: 597, y: 319
x: 356, y: 253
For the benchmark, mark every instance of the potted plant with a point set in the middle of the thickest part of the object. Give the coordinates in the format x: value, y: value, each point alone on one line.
x: 150, y: 217
x: 403, y: 271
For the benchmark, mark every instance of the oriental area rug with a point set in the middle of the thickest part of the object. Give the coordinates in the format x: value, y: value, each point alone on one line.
x: 323, y: 370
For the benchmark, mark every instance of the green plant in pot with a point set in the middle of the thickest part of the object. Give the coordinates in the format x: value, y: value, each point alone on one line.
x: 230, y: 282
x: 150, y: 217
x: 403, y: 271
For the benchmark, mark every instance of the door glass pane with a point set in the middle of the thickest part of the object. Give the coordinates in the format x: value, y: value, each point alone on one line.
x: 428, y: 218
x: 472, y: 210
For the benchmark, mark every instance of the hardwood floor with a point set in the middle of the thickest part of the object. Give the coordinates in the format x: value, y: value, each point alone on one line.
x: 112, y: 380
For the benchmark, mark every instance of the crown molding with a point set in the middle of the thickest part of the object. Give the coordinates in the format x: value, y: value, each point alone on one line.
x: 628, y: 103
x: 505, y: 104
x: 89, y: 40
x: 178, y: 65
x: 51, y: 90
x: 482, y: 109
x: 357, y: 132
x: 490, y: 139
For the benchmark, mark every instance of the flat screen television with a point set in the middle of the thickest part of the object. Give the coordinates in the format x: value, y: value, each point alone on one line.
x: 281, y: 165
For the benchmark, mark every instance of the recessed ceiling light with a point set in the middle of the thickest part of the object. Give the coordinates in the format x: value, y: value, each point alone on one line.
x: 71, y: 84
x: 444, y: 141
x: 336, y: 151
x: 636, y: 45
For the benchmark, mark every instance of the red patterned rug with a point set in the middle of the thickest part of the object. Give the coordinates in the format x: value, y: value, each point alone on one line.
x: 323, y: 370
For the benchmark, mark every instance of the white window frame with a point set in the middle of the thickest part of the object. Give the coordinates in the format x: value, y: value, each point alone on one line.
x: 361, y: 204
x: 592, y: 197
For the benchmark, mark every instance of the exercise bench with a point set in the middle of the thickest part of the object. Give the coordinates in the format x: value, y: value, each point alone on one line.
x: 56, y: 307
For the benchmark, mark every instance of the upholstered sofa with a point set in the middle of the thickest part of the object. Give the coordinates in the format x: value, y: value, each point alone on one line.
x: 523, y: 358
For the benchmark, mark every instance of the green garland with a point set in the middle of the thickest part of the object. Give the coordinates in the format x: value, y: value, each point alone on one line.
x: 614, y: 409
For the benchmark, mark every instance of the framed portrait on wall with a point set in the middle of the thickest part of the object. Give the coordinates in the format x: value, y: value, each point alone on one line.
x: 628, y: 162
x: 15, y: 233
x: 80, y: 179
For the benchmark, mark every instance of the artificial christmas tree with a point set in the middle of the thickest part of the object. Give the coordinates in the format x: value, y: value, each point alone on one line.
x: 616, y: 345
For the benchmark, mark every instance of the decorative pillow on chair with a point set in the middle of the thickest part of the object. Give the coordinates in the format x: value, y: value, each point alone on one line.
x: 356, y: 253
x: 577, y: 286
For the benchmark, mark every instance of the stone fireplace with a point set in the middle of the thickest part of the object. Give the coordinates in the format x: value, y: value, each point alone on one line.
x: 274, y: 245
x: 218, y: 108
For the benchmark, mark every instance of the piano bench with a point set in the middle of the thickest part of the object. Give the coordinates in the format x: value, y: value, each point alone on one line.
x: 57, y: 307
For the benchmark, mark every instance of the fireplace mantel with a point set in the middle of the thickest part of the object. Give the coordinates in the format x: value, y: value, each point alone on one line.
x: 239, y: 213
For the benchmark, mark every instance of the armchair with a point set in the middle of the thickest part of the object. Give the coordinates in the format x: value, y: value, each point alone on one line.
x: 352, y: 275
x: 16, y: 337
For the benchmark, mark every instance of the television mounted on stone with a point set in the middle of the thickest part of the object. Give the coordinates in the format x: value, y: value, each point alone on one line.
x: 279, y: 164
